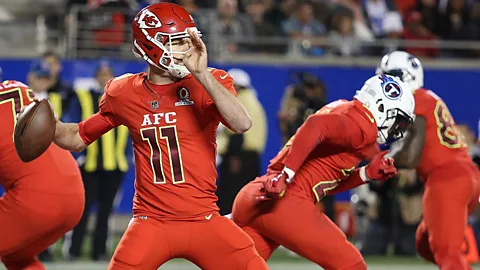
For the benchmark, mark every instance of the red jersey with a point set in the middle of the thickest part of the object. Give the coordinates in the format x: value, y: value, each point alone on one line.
x: 55, y: 169
x: 173, y: 129
x: 443, y: 143
x: 328, y: 146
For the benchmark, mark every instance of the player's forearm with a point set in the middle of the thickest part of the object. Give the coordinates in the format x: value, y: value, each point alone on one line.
x: 351, y: 182
x: 67, y: 136
x: 231, y: 110
x: 403, y: 161
x: 410, y: 154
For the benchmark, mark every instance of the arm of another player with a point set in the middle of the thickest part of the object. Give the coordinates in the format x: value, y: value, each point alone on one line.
x: 335, y: 129
x: 409, y: 155
x: 331, y: 129
x: 231, y: 110
x: 380, y: 168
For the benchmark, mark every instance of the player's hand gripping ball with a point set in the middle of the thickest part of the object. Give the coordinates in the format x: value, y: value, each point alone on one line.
x: 35, y: 130
x: 381, y: 168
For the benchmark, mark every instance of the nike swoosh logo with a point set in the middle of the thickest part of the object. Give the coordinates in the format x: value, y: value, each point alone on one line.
x: 224, y: 76
x: 208, y: 217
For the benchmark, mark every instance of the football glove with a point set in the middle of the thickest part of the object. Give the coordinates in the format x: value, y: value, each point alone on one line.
x: 276, y: 185
x: 380, y: 168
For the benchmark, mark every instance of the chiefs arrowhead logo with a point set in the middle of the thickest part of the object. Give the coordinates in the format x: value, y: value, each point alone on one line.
x: 148, y: 20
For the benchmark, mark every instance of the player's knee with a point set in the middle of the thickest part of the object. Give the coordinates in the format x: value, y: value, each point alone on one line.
x: 450, y: 259
x: 257, y: 263
x: 422, y: 243
x: 421, y: 232
x: 423, y: 249
x: 129, y: 262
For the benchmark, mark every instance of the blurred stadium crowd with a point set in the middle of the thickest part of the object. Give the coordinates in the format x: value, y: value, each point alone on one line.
x: 317, y: 27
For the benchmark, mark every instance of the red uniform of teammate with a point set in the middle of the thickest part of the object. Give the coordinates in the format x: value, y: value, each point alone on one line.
x: 172, y: 118
x: 321, y: 158
x: 44, y: 198
x: 434, y: 147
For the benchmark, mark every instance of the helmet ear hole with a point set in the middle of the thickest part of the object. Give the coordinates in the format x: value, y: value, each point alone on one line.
x: 159, y: 38
x: 148, y: 46
x: 381, y: 108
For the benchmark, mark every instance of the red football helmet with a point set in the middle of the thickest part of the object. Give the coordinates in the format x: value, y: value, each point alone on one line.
x: 154, y: 28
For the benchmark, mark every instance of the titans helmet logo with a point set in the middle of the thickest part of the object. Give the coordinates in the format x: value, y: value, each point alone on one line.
x: 390, y: 87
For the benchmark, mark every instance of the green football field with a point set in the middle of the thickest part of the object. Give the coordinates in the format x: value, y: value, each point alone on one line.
x: 274, y: 266
x: 389, y: 263
x: 280, y: 261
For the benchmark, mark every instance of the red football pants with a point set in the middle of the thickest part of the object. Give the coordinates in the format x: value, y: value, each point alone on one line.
x: 296, y: 224
x: 31, y: 220
x: 210, y: 244
x: 451, y: 193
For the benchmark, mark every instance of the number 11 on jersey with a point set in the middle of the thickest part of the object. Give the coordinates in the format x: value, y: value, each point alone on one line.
x: 169, y: 134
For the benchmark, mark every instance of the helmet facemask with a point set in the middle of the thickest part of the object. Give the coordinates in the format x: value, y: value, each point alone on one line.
x: 404, y: 66
x: 390, y: 105
x: 394, y: 126
x: 165, y: 42
x: 402, y: 74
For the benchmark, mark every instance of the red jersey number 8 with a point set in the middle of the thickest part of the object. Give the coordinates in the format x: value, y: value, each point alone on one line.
x: 446, y: 128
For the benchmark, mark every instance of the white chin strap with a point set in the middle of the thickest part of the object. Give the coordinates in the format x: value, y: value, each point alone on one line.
x: 178, y: 71
x: 381, y: 137
x: 383, y: 133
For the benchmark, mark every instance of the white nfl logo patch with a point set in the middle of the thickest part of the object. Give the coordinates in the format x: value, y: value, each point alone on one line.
x: 148, y: 20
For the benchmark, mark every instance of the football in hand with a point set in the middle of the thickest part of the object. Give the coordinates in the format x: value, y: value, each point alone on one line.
x: 35, y: 130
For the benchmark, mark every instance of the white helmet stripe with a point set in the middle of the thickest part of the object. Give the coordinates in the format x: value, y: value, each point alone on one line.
x: 143, y: 54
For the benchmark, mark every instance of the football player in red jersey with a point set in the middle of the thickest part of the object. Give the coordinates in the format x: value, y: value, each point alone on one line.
x: 320, y: 159
x: 44, y: 198
x: 434, y: 147
x: 172, y: 112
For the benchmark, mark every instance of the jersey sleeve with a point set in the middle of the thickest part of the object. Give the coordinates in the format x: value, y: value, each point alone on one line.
x: 226, y: 81
x: 26, y: 94
x: 351, y: 182
x: 366, y: 128
x: 423, y: 103
x: 100, y: 123
x: 328, y: 129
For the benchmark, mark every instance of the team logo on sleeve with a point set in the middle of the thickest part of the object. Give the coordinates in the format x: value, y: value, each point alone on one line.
x: 390, y: 87
x: 184, y: 98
